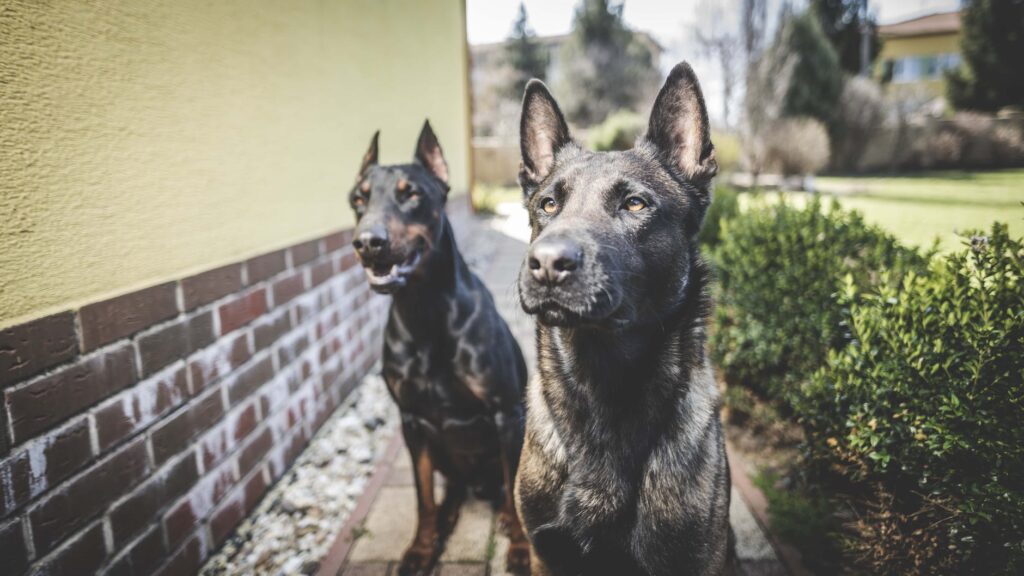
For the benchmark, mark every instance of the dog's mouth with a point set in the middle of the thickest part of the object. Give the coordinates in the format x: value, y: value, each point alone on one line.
x: 553, y: 312
x: 386, y: 278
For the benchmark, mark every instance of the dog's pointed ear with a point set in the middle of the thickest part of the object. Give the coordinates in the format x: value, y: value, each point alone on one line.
x: 370, y: 158
x: 429, y: 154
x: 542, y: 133
x: 679, y: 126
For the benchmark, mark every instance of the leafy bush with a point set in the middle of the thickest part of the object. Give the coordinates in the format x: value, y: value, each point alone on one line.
x: 779, y: 267
x: 797, y: 146
x: 618, y: 131
x: 927, y: 404
x: 725, y: 204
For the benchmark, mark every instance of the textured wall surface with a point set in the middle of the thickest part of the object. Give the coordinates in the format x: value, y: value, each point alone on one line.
x: 146, y: 140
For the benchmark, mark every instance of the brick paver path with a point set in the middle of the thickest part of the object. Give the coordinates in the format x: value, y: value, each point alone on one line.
x: 477, y: 547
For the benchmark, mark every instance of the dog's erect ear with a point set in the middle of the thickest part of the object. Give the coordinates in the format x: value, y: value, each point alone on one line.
x: 370, y: 158
x: 679, y: 126
x: 542, y: 133
x: 429, y: 154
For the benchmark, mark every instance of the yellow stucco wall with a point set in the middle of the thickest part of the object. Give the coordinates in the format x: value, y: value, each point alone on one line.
x: 145, y: 140
x: 919, y: 46
x: 893, y: 48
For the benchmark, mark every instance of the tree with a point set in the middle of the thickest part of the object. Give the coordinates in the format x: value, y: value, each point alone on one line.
x: 992, y: 43
x: 841, y: 21
x: 525, y: 56
x: 817, y: 78
x: 755, y: 19
x: 607, y: 66
x: 764, y: 101
x: 718, y: 39
x: 796, y: 77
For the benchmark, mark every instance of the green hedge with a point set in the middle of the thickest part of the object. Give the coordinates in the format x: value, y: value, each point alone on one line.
x: 927, y: 406
x: 725, y: 205
x: 779, y: 268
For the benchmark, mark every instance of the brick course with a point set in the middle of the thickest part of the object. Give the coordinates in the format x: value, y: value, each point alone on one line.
x: 31, y: 348
x: 46, y: 402
x: 110, y: 320
x: 136, y: 432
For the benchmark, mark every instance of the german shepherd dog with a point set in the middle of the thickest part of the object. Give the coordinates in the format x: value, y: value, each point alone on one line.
x: 450, y: 361
x: 623, y: 469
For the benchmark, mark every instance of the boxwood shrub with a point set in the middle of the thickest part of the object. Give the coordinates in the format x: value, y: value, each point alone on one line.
x: 926, y: 408
x: 779, y: 269
x: 724, y: 206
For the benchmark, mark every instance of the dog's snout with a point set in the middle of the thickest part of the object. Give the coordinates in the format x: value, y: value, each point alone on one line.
x: 553, y: 261
x: 371, y: 241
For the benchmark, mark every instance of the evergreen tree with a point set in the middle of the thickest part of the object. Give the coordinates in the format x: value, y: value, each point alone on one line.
x: 525, y: 56
x: 841, y: 22
x: 992, y: 46
x: 817, y: 78
x: 607, y: 66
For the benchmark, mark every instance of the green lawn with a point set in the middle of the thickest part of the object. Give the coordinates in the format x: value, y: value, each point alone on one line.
x: 486, y: 197
x: 918, y: 208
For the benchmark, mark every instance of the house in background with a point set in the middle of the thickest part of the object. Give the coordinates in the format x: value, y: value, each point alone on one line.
x: 916, y: 53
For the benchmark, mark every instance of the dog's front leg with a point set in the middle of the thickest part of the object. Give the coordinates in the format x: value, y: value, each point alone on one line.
x: 421, y: 555
x: 510, y: 433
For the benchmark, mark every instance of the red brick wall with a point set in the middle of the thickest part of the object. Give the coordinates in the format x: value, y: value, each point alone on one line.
x: 137, y: 432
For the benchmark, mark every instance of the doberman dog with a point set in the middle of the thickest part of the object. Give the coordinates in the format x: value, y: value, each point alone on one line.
x: 450, y: 361
x: 623, y: 468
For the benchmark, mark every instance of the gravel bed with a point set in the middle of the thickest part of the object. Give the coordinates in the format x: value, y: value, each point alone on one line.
x: 300, y: 517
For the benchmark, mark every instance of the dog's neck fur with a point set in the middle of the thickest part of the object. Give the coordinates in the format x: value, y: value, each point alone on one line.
x: 610, y: 381
x: 442, y: 274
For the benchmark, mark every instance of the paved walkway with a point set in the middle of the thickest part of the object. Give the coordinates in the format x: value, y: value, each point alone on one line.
x: 477, y: 548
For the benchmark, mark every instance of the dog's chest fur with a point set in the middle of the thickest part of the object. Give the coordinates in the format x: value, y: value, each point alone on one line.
x: 432, y: 368
x: 622, y: 478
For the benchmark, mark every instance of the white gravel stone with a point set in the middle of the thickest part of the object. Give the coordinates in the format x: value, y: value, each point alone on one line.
x: 301, y: 516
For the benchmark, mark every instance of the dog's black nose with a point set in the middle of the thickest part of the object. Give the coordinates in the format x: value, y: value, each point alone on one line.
x: 371, y: 241
x: 553, y: 260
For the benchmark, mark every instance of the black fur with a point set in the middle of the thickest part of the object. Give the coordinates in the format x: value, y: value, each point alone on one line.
x: 450, y: 361
x: 624, y: 468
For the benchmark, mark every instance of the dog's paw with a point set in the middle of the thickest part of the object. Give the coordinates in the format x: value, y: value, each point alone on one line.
x: 417, y: 562
x: 517, y: 561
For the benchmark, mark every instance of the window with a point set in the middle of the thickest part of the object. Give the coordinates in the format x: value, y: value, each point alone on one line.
x: 929, y: 67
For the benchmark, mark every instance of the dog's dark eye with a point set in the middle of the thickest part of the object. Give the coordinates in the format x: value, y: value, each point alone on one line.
x: 634, y: 204
x: 549, y: 205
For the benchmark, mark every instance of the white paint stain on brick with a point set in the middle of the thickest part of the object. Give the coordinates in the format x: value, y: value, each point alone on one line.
x: 7, y: 483
x: 276, y: 391
x: 203, y: 497
x: 220, y: 442
x: 37, y: 464
x: 141, y: 404
x: 215, y: 361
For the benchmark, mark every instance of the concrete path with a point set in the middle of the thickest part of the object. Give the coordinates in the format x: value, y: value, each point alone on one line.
x: 477, y: 547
